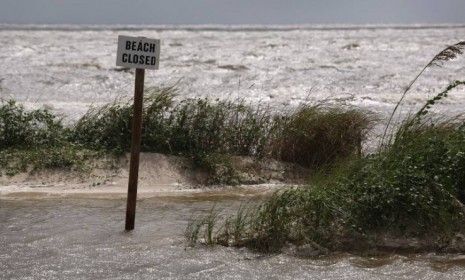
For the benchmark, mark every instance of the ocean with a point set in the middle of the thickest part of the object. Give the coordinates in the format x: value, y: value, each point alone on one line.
x: 69, y: 68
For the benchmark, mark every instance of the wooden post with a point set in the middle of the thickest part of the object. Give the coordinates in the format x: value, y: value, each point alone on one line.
x: 135, y: 149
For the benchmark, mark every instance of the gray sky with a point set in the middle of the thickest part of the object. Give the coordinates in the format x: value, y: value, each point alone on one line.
x: 231, y: 11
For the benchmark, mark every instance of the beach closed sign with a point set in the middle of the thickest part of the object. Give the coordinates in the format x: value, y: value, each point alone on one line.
x: 138, y: 52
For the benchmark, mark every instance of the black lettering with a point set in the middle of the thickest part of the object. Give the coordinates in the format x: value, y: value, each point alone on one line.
x: 152, y: 48
x: 124, y: 58
x: 128, y: 45
x: 133, y: 47
x: 141, y: 59
x: 139, y: 47
x: 153, y: 60
x: 146, y: 47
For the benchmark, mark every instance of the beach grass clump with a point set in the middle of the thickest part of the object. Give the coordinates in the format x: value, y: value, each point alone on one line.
x: 209, y: 132
x: 206, y: 226
x: 413, y: 187
x: 296, y: 215
x: 202, y: 126
x: 206, y: 130
x: 192, y: 127
x: 36, y: 139
x: 65, y: 157
x: 314, y: 136
x: 21, y: 128
x: 105, y: 128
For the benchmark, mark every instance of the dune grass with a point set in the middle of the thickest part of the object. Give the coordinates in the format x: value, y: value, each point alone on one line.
x: 314, y: 136
x: 412, y: 187
x: 209, y: 132
x: 21, y: 128
x: 32, y: 140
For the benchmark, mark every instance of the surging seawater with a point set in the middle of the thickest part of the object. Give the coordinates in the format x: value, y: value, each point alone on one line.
x: 71, y: 68
x: 72, y: 238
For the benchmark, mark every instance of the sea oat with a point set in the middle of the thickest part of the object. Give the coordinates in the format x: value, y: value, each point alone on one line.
x: 448, y: 54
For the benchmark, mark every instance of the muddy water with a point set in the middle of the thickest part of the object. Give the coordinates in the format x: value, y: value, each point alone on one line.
x: 82, y: 238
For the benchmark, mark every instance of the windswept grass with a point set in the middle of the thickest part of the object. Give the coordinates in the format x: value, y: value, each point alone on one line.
x: 21, y: 128
x: 413, y: 187
x: 32, y: 140
x: 314, y: 136
x: 209, y: 132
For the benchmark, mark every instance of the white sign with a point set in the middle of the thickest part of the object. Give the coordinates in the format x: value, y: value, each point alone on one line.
x: 138, y: 52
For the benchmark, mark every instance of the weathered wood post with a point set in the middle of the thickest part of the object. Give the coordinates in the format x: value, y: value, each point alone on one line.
x: 135, y: 149
x: 140, y: 53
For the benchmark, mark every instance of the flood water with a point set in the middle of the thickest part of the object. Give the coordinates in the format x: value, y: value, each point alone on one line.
x: 82, y: 238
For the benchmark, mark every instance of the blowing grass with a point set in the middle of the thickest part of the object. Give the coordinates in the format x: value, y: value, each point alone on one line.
x: 412, y: 187
x: 209, y: 132
x: 314, y: 136
x: 32, y: 140
x: 21, y: 128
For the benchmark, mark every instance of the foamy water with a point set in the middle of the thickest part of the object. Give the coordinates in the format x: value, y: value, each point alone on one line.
x: 84, y: 239
x: 70, y: 67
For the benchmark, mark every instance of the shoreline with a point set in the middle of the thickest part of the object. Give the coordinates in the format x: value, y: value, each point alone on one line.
x: 14, y: 192
x: 160, y: 175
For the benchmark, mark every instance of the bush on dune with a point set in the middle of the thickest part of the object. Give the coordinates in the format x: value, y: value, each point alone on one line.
x: 36, y: 139
x: 21, y: 128
x: 314, y: 136
x: 207, y: 131
x: 311, y: 136
x: 414, y: 186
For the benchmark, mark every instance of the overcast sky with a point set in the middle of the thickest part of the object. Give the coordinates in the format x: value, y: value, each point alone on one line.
x: 231, y: 11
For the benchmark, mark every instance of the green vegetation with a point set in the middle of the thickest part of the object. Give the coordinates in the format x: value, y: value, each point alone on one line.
x: 415, y: 187
x: 20, y: 128
x: 70, y: 157
x: 209, y: 132
x: 314, y: 137
x: 412, y: 187
x: 31, y: 140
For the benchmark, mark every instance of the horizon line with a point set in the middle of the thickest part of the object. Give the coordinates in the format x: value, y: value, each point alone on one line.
x: 226, y: 27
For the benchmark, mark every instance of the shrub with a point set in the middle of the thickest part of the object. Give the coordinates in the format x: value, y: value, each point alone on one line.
x: 20, y: 128
x: 107, y: 128
x: 315, y: 136
x: 69, y: 157
x: 413, y: 187
x: 311, y: 136
x: 207, y: 131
